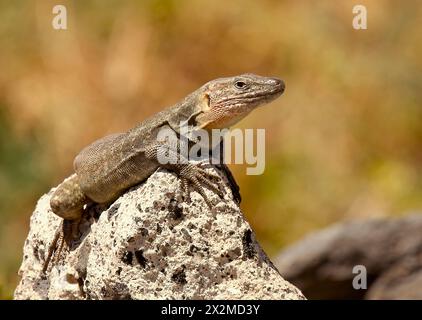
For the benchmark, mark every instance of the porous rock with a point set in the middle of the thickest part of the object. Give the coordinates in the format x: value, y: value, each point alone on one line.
x: 149, y: 244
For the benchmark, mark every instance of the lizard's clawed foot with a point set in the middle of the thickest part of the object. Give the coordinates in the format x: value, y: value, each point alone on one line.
x: 196, y: 176
x: 67, y: 232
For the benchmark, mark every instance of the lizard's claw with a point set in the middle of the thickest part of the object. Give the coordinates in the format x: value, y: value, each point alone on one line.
x: 64, y: 236
x: 55, y: 246
x: 195, y: 176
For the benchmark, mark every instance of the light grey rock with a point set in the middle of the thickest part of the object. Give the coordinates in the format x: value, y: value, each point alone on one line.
x: 146, y: 246
x: 321, y: 265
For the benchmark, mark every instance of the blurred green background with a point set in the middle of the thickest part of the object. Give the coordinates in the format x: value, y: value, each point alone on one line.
x: 343, y: 142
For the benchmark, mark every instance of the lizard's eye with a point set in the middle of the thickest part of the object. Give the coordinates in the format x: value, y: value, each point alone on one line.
x: 240, y: 85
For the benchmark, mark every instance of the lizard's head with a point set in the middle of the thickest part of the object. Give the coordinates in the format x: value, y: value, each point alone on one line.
x: 228, y: 100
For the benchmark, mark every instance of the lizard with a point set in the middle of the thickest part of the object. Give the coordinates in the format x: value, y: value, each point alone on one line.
x: 109, y: 166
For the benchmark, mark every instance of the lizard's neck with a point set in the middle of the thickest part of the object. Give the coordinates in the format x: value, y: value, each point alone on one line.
x: 185, y: 112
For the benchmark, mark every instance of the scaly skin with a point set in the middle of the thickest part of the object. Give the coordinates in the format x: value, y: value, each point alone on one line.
x: 108, y: 167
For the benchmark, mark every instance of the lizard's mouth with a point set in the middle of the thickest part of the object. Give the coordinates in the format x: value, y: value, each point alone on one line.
x: 260, y: 98
x: 253, y: 100
x: 279, y: 86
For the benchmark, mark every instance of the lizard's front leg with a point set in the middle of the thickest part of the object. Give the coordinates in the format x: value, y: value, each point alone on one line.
x: 67, y: 202
x: 189, y: 173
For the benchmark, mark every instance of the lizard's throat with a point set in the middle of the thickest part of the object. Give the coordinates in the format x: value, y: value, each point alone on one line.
x: 221, y: 119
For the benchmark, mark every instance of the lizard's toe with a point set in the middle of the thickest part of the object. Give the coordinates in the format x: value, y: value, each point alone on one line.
x: 185, y: 191
x: 210, y: 186
x: 208, y: 174
x: 197, y: 177
x: 67, y: 232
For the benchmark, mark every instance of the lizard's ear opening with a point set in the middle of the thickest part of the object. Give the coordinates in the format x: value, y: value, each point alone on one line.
x: 204, y: 106
x: 204, y: 102
x: 204, y: 118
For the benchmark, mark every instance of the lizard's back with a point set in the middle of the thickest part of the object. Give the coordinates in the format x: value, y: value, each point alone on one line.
x: 114, y: 163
